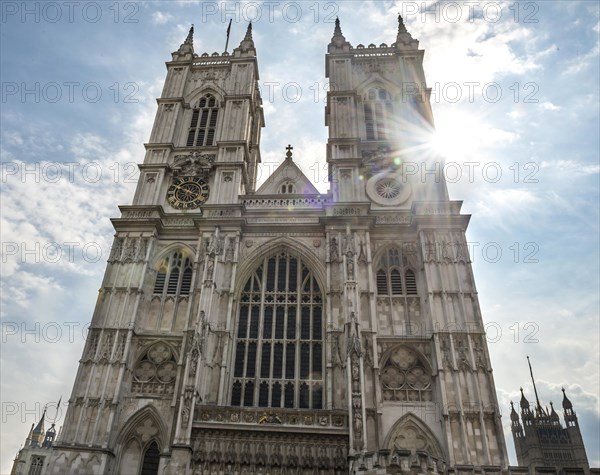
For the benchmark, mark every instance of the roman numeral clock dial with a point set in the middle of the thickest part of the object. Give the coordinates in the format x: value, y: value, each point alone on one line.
x: 187, y: 192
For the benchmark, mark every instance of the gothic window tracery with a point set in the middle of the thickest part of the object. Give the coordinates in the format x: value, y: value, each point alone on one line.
x: 204, y: 122
x: 405, y: 376
x: 174, y: 276
x: 155, y: 371
x: 279, y: 347
x: 394, y: 277
x: 37, y: 463
x: 378, y: 111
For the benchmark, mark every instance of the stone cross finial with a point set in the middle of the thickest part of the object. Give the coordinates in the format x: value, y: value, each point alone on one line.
x: 289, y: 149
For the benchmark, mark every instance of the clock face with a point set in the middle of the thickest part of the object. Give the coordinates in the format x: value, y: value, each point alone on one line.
x: 187, y: 192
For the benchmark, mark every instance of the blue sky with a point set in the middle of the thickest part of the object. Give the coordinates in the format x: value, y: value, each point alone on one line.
x: 515, y: 91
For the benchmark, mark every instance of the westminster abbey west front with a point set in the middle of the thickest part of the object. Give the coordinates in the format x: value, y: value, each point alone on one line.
x: 276, y: 330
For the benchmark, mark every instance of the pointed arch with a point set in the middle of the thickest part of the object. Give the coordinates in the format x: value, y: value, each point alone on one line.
x: 405, y: 375
x: 377, y: 80
x: 395, y: 271
x: 155, y: 369
x: 161, y: 255
x: 410, y: 432
x: 194, y: 96
x: 278, y: 356
x: 171, y: 271
x: 143, y: 429
x: 274, y: 247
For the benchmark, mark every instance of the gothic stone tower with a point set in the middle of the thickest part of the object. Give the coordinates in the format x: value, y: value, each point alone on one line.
x: 541, y: 441
x: 419, y: 373
x: 278, y: 330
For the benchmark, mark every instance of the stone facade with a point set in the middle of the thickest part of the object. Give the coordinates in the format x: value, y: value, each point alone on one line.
x: 279, y: 330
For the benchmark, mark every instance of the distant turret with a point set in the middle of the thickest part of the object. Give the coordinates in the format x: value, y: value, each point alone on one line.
x: 542, y: 441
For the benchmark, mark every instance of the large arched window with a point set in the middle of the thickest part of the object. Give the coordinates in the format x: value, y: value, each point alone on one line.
x: 174, y: 275
x: 279, y: 346
x: 204, y: 122
x: 393, y: 276
x: 378, y: 113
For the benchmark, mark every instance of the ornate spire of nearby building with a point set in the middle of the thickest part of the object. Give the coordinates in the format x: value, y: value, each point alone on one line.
x: 566, y: 403
x: 553, y: 414
x: 524, y: 402
x: 513, y: 414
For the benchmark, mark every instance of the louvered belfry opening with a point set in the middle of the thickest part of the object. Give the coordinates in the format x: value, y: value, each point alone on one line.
x: 204, y: 122
x: 174, y: 276
x: 393, y: 276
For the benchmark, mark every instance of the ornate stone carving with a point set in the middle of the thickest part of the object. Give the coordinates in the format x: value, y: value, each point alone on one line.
x: 406, y: 377
x: 333, y: 250
x: 193, y: 164
x: 155, y: 371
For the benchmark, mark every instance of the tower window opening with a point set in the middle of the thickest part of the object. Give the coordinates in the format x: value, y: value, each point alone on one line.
x: 393, y: 277
x: 204, y: 122
x: 174, y: 276
x: 378, y: 111
x: 287, y: 188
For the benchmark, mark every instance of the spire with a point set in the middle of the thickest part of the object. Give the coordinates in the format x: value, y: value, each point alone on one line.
x: 566, y: 403
x: 37, y: 436
x: 337, y: 31
x: 338, y: 41
x: 246, y: 47
x: 248, y: 36
x: 537, y: 400
x: 524, y: 402
x: 29, y: 436
x: 401, y: 27
x: 553, y: 414
x: 513, y: 414
x: 187, y: 47
x: 404, y: 39
x: 190, y: 37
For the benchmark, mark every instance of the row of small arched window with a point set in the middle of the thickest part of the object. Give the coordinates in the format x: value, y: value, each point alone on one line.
x: 174, y: 276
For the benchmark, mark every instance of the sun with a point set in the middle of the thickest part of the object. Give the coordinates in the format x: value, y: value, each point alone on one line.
x: 459, y: 136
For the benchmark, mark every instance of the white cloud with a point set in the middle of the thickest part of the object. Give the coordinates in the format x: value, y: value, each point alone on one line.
x: 160, y: 18
x: 583, y: 62
x: 548, y: 106
x: 571, y: 166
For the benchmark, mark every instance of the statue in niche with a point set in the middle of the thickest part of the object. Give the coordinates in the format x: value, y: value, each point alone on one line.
x: 350, y: 268
x: 333, y: 250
